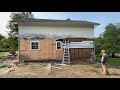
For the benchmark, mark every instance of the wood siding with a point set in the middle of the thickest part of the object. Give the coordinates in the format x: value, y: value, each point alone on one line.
x: 48, y: 50
x: 80, y: 53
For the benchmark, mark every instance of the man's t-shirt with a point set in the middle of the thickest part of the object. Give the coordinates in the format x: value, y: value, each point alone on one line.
x: 105, y: 57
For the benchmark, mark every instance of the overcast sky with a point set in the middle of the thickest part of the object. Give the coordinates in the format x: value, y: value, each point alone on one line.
x: 104, y: 18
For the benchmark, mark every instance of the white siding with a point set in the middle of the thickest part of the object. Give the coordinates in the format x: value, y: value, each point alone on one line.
x: 83, y: 44
x: 87, y: 32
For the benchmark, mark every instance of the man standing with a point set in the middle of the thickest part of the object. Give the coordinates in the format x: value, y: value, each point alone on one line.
x: 104, y: 62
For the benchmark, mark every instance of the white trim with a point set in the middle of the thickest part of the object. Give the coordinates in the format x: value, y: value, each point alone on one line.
x: 83, y: 44
x: 38, y: 45
x: 60, y: 44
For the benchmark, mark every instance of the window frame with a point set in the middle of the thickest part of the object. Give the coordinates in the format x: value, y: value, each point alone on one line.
x: 60, y: 45
x: 31, y: 45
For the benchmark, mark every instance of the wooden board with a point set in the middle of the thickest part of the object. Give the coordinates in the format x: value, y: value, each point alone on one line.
x: 42, y: 43
x: 48, y: 50
x: 79, y: 53
x: 34, y: 55
x: 22, y: 44
x: 54, y: 49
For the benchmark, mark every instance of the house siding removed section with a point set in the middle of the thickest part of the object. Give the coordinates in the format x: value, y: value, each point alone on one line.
x: 47, y: 51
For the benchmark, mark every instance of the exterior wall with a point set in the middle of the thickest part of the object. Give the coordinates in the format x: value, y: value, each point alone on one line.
x: 86, y: 32
x: 80, y: 53
x: 48, y: 47
x: 47, y: 50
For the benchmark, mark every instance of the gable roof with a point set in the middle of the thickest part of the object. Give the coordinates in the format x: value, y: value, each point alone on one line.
x: 53, y: 20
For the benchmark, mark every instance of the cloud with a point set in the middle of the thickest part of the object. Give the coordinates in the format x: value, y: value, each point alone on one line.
x: 4, y: 18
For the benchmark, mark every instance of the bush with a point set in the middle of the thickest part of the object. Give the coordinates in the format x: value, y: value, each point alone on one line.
x: 5, y: 50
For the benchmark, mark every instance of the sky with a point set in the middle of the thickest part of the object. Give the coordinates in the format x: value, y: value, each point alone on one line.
x: 104, y: 18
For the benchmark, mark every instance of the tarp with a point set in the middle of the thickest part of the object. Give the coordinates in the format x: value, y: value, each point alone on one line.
x: 3, y: 65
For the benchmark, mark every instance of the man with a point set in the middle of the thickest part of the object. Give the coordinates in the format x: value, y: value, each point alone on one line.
x: 104, y: 62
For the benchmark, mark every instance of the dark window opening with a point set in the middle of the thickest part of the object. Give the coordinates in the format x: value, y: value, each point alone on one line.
x: 34, y: 45
x: 58, y: 44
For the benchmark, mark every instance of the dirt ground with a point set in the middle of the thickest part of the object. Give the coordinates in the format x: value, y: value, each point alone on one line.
x: 77, y: 69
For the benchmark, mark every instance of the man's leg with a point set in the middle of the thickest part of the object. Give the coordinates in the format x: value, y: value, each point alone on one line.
x: 103, y: 69
x: 107, y: 72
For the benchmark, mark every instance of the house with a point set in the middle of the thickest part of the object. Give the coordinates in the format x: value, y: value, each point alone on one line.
x: 44, y: 39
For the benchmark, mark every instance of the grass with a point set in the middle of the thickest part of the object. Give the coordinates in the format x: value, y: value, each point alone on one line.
x: 5, y: 53
x: 113, y: 61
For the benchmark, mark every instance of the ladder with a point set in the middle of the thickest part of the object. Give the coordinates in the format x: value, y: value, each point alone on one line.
x: 66, y: 55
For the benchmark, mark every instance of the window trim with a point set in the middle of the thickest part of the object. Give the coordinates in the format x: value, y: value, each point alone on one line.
x: 60, y: 45
x: 31, y: 45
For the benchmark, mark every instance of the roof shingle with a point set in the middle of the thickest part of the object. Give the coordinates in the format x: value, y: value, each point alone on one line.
x: 53, y: 20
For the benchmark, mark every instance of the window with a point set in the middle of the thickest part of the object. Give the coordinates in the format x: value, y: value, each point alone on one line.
x: 58, y: 45
x: 34, y: 45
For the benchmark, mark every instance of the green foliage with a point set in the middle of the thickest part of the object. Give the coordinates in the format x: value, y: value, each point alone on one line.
x: 13, y: 42
x: 3, y: 53
x: 113, y: 61
x: 1, y: 37
x: 98, y: 45
x: 13, y: 26
x: 4, y: 44
x: 9, y: 43
x: 109, y: 40
x: 6, y: 53
x: 112, y: 38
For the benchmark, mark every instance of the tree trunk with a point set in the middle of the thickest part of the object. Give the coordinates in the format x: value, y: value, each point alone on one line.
x: 113, y: 55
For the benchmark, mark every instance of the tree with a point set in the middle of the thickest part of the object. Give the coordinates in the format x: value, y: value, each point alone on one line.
x: 98, y: 44
x: 13, y: 26
x: 1, y: 37
x: 4, y: 44
x: 112, y: 38
x: 8, y: 44
x: 13, y: 43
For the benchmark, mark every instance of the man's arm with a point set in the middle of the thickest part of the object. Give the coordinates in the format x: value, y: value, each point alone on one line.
x: 102, y: 60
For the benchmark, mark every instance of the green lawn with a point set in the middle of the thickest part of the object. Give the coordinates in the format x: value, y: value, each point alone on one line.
x: 115, y: 61
x: 5, y: 53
